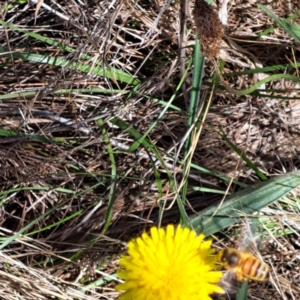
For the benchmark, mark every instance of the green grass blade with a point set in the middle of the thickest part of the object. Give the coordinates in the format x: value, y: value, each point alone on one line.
x: 198, y: 73
x: 254, y: 87
x: 292, y: 30
x: 112, y: 190
x: 62, y: 91
x: 242, y: 155
x: 242, y: 292
x: 194, y: 106
x: 246, y: 202
x: 137, y: 143
x: 25, y: 228
x: 40, y: 138
x: 274, y: 68
x: 152, y: 149
x: 59, y: 62
x: 14, y: 4
x: 271, y: 29
x: 36, y: 188
x: 56, y: 224
x: 109, y: 71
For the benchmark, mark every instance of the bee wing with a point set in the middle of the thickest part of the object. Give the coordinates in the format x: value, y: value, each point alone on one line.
x: 229, y: 282
x: 249, y: 241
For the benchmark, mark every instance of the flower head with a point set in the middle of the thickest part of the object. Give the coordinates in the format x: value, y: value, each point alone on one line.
x: 209, y: 27
x: 169, y: 264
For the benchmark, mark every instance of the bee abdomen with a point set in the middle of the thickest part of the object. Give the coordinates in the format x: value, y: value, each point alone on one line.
x: 255, y: 269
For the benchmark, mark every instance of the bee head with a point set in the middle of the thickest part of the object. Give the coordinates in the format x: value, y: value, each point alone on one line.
x: 228, y: 257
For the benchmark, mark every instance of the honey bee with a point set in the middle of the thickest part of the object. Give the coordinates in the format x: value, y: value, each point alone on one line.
x: 243, y: 265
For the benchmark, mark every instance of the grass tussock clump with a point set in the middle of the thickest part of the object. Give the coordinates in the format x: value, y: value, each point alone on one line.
x: 113, y: 121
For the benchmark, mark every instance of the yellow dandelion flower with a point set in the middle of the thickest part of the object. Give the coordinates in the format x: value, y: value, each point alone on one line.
x: 169, y: 264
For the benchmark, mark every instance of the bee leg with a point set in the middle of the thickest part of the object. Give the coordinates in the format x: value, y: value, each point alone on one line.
x: 240, y: 277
